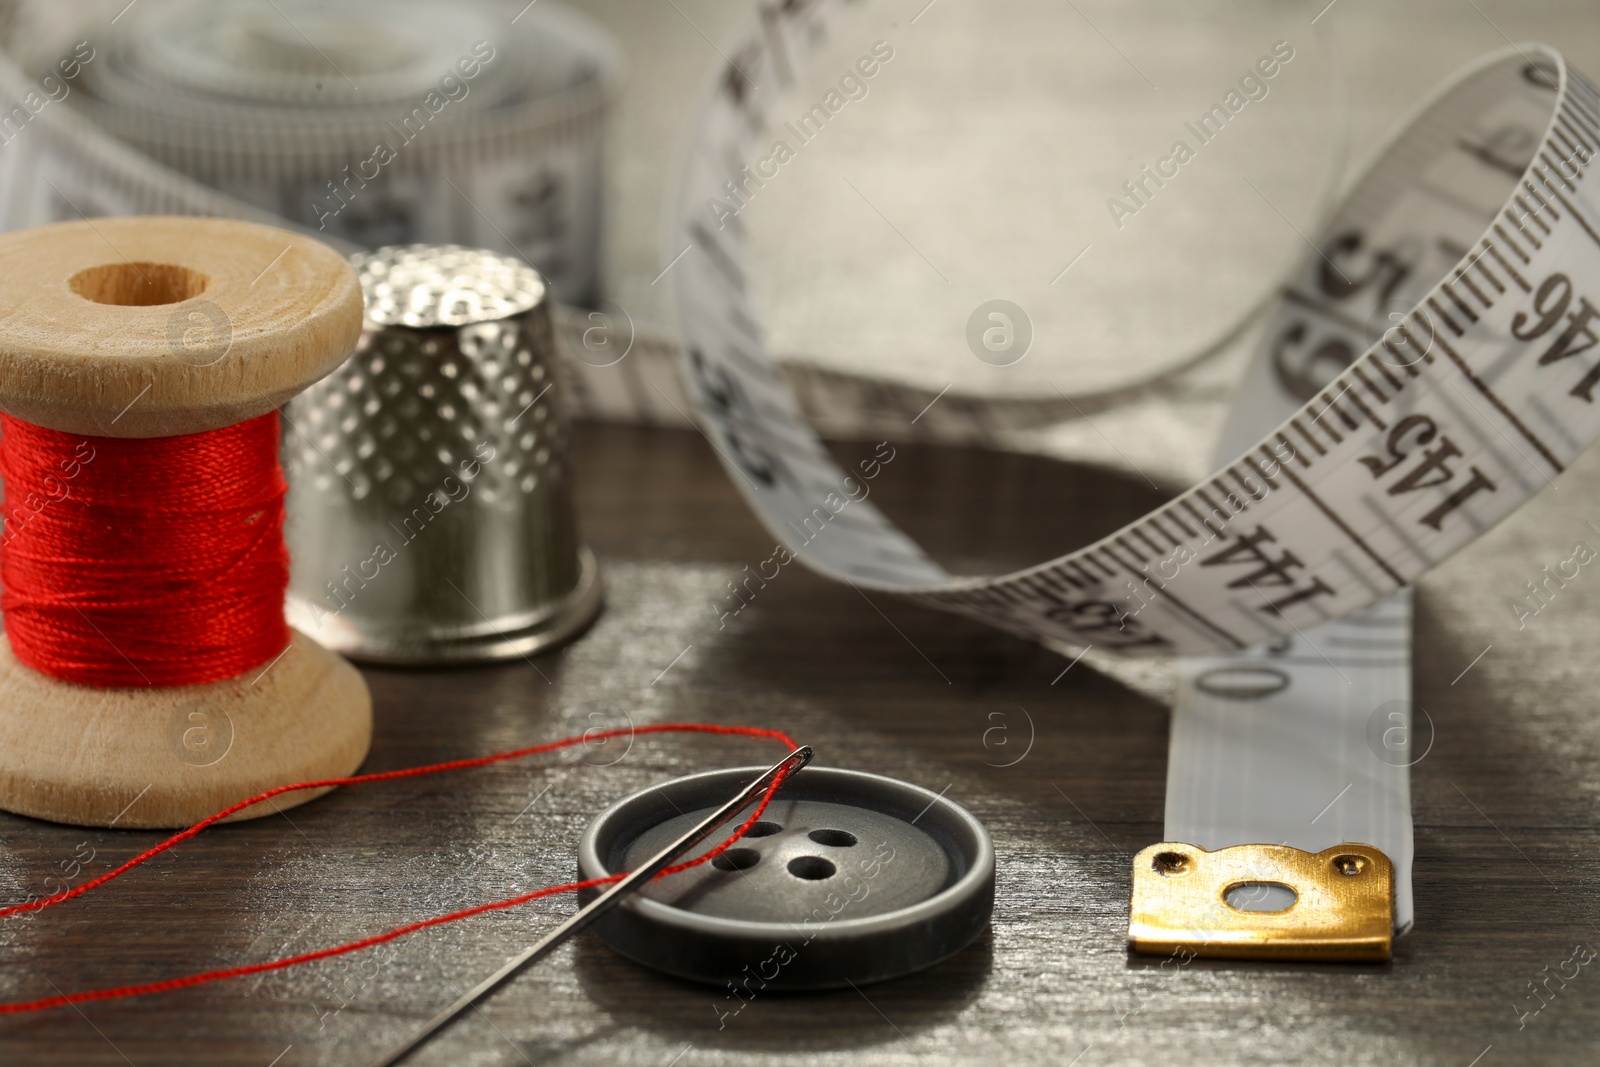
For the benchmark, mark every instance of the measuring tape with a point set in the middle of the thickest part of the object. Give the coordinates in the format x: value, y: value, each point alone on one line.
x: 1427, y: 370
x: 435, y: 125
x: 1445, y: 418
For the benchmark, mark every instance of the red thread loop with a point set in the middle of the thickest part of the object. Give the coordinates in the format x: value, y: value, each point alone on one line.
x: 143, y: 562
x: 183, y: 982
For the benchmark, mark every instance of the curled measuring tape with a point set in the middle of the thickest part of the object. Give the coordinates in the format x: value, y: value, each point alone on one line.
x: 1424, y: 372
x: 1455, y: 291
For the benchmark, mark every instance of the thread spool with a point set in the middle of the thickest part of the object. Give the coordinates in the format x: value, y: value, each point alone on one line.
x: 142, y: 328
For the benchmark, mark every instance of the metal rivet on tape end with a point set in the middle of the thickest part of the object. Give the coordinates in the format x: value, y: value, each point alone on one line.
x: 1263, y: 902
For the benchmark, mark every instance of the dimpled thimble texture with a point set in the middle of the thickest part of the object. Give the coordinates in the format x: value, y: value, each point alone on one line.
x: 430, y: 511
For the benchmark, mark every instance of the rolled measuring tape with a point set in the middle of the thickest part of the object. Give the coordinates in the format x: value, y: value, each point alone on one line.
x: 1455, y: 292
x: 364, y: 123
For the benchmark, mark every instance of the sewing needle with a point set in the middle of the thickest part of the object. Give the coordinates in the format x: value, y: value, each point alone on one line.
x: 600, y: 904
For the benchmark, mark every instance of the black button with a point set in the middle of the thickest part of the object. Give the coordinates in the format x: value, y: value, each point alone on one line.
x: 849, y: 877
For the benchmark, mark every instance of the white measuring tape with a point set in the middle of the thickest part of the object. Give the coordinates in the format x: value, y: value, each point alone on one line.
x: 1463, y: 407
x: 1456, y: 295
x: 364, y: 124
x: 1429, y: 369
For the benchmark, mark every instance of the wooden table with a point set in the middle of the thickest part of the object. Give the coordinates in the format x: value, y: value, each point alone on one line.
x: 1508, y: 834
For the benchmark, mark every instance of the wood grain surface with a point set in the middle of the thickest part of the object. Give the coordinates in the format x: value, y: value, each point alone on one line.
x: 1505, y: 801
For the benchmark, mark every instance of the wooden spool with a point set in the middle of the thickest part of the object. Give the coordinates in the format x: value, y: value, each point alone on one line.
x: 156, y: 327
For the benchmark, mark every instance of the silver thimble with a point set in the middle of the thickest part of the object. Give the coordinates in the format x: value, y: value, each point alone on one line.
x: 430, y: 508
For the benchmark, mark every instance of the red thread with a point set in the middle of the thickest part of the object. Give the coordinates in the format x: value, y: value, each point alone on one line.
x: 116, y: 992
x: 143, y: 562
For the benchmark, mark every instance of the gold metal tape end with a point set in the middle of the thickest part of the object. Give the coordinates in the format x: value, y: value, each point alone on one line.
x: 1343, y: 907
